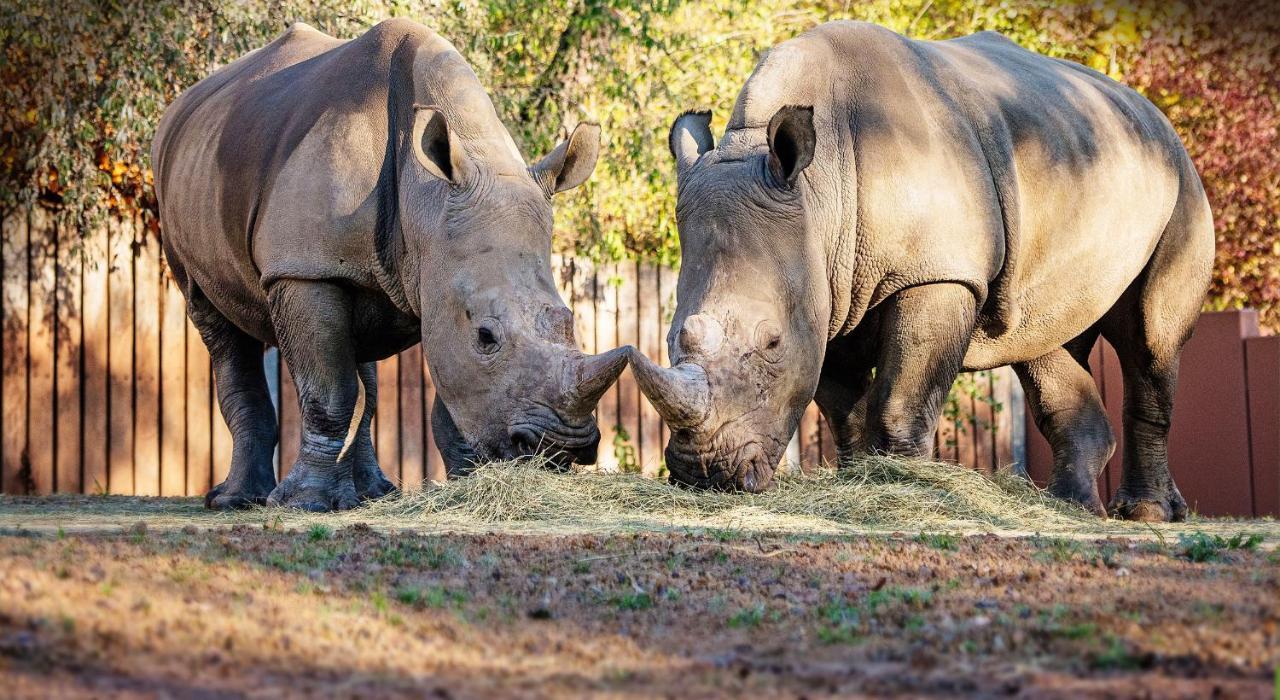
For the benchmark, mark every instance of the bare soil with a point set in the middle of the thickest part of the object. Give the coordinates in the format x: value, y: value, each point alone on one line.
x: 156, y: 608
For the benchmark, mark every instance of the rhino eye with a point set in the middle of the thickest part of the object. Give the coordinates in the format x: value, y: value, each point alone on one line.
x: 487, y: 341
x: 768, y: 341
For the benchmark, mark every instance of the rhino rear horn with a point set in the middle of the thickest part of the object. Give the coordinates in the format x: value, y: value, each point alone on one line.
x: 680, y: 394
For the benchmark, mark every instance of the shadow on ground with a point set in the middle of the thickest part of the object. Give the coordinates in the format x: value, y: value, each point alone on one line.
x: 262, y: 607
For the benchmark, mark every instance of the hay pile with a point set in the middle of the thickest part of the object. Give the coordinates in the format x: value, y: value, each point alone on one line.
x: 881, y: 493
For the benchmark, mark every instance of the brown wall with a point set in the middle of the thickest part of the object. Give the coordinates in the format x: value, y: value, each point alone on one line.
x: 1224, y: 446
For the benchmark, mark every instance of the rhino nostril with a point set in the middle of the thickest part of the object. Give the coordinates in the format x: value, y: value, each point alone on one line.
x: 524, y: 441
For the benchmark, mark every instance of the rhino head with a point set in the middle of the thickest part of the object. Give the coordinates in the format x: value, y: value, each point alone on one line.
x: 749, y: 331
x: 509, y: 376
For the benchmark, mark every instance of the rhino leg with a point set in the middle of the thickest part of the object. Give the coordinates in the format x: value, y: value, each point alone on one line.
x: 245, y: 403
x: 459, y: 459
x: 370, y: 481
x: 923, y: 336
x: 312, y: 322
x: 1068, y: 411
x: 1147, y: 491
x: 842, y: 397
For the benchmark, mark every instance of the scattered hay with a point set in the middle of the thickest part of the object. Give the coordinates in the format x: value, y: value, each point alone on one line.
x: 872, y: 493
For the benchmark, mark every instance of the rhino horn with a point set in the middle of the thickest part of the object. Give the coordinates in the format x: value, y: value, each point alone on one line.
x: 681, y: 394
x: 591, y: 376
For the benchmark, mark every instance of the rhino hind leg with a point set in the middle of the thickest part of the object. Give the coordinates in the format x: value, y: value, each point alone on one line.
x: 369, y: 479
x: 245, y: 403
x: 1148, y: 326
x: 1147, y: 491
x: 312, y: 322
x: 1068, y: 411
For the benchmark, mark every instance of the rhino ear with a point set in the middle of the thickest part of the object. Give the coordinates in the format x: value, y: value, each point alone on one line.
x: 791, y: 143
x: 435, y: 146
x: 571, y: 163
x: 690, y: 137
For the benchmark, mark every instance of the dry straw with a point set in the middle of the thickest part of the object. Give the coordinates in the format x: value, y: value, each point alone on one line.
x: 871, y: 493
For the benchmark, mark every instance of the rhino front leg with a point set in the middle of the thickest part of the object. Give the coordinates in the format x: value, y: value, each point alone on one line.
x: 1068, y: 411
x: 313, y: 326
x: 923, y: 336
x: 842, y: 397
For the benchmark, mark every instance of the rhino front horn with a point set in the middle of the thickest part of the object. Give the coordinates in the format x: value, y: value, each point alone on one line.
x: 681, y: 394
x: 591, y: 376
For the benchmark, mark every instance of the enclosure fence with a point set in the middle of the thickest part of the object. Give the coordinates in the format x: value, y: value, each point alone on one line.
x: 107, y: 387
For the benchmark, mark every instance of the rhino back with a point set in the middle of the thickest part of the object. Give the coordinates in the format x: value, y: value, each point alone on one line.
x: 1041, y: 185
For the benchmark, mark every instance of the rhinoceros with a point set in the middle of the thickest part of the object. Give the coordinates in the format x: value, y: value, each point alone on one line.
x: 343, y: 200
x: 883, y: 213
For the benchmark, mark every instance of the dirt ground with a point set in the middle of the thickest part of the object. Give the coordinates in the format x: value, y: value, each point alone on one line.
x: 154, y: 608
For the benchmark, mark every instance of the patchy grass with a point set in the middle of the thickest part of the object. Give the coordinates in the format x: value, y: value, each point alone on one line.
x: 1203, y: 547
x: 637, y: 600
x: 750, y: 616
x: 938, y: 540
x: 675, y: 613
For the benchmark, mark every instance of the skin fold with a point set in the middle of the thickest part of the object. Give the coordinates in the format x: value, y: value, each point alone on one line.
x: 883, y: 213
x: 343, y: 200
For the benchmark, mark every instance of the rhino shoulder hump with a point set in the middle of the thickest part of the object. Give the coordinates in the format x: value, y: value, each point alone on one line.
x: 393, y: 31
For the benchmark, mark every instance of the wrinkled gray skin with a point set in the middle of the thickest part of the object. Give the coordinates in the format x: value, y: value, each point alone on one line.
x: 343, y: 200
x: 922, y: 208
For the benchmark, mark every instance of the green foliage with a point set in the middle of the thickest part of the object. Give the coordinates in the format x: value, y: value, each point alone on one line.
x: 83, y: 84
x: 429, y: 597
x: 844, y: 621
x: 748, y: 617
x: 633, y: 601
x: 939, y: 540
x: 1202, y: 547
x: 416, y: 555
x: 625, y: 452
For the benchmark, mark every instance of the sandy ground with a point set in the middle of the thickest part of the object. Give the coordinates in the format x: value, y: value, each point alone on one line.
x: 210, y: 606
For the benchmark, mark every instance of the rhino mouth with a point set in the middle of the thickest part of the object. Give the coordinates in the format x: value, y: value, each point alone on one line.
x: 541, y: 430
x: 745, y: 467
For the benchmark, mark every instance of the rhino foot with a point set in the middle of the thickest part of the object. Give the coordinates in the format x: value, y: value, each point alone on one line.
x: 239, y: 496
x: 315, y: 490
x: 370, y: 482
x: 1082, y: 492
x: 1149, y: 507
